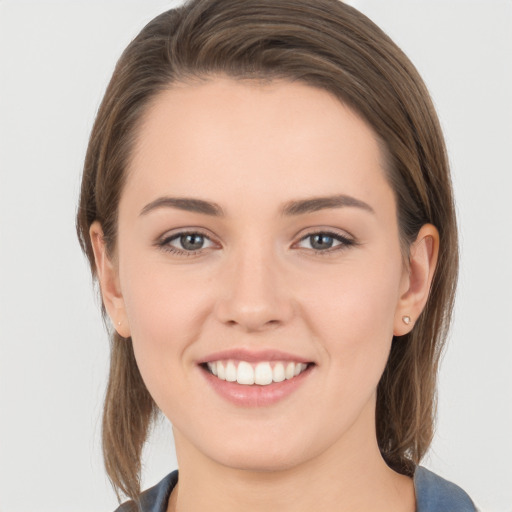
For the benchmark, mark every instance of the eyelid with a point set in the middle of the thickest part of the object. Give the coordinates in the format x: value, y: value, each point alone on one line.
x: 327, y: 231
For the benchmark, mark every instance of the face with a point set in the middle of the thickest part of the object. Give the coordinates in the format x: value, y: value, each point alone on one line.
x: 258, y: 240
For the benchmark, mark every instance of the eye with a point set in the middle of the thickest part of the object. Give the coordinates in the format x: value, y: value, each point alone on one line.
x: 186, y: 243
x: 323, y: 242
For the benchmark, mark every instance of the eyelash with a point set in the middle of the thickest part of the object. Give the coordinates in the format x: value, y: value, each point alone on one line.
x: 345, y: 243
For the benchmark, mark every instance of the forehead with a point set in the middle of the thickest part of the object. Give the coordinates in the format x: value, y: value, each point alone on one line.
x: 272, y: 139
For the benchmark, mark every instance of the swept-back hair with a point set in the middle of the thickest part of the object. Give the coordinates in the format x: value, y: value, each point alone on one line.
x: 329, y: 45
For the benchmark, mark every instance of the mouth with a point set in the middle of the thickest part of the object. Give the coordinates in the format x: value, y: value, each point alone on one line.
x: 256, y: 378
x: 261, y: 373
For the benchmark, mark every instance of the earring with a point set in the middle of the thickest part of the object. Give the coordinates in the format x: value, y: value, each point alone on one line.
x: 406, y: 320
x: 119, y: 323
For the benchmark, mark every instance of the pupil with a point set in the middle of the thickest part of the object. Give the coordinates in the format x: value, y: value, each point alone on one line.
x: 192, y: 242
x: 321, y: 241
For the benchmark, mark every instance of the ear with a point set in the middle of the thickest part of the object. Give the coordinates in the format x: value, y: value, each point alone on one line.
x: 108, y: 277
x: 417, y: 279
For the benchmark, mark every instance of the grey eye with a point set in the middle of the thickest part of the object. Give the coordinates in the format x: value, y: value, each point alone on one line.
x: 325, y: 242
x: 192, y: 242
x: 321, y: 241
x: 187, y: 242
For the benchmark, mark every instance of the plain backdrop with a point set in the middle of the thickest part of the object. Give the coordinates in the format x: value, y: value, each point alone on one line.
x: 55, y: 60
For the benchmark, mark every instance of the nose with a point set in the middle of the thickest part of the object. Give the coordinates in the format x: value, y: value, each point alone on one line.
x: 253, y: 294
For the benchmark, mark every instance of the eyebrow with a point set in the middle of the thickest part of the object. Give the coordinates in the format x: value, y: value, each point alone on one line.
x: 184, y: 203
x: 315, y: 204
x: 291, y: 208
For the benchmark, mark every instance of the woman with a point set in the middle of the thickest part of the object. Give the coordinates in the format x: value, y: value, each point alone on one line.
x: 267, y: 206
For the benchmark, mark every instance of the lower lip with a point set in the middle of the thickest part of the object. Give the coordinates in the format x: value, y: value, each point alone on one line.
x: 255, y: 395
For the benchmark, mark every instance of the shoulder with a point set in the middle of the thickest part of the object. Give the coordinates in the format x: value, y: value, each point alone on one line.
x: 155, y: 498
x: 435, y: 494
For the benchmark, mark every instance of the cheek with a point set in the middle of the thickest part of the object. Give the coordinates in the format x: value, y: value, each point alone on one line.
x: 165, y: 311
x: 353, y: 313
x: 361, y: 292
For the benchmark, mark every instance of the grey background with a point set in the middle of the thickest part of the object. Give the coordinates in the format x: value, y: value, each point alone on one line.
x: 55, y: 60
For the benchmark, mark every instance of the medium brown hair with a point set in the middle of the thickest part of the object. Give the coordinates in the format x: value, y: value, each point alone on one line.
x: 328, y: 45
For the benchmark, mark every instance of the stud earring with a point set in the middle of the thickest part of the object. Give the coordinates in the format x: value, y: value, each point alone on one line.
x: 119, y: 323
x: 406, y: 320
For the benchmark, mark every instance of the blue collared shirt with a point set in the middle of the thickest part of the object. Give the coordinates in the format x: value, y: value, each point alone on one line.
x: 433, y: 494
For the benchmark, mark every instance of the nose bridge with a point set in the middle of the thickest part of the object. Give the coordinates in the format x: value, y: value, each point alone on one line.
x: 253, y: 296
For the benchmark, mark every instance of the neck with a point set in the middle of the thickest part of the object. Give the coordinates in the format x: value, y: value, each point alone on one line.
x: 349, y: 476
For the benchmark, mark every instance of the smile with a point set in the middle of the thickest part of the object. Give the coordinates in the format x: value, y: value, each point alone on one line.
x: 256, y: 378
x: 261, y: 373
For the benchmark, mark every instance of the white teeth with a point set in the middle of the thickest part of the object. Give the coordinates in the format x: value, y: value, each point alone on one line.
x: 212, y: 367
x: 231, y: 373
x: 221, y: 372
x: 261, y: 373
x: 278, y: 374
x: 290, y: 370
x: 245, y: 373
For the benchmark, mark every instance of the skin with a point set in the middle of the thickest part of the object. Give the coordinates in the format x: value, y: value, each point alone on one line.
x: 258, y: 283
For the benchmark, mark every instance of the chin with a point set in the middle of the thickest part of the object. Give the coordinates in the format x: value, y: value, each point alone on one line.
x: 255, y: 451
x: 259, y: 461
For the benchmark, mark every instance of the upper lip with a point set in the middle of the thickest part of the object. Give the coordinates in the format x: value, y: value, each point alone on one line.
x: 253, y: 356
